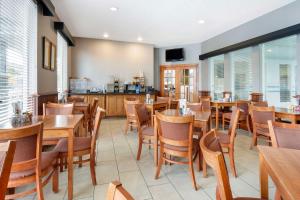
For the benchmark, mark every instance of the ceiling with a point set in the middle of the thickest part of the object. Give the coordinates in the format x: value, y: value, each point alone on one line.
x: 159, y: 22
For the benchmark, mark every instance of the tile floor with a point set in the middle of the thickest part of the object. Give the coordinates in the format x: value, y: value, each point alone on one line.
x: 116, y: 155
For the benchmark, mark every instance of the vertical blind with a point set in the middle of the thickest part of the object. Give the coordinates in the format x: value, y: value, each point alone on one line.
x: 217, y: 76
x: 18, y: 49
x: 62, y: 65
x: 241, y: 73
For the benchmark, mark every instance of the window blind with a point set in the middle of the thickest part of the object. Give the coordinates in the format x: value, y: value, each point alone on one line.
x: 242, y: 73
x: 62, y: 65
x: 217, y: 76
x: 18, y: 49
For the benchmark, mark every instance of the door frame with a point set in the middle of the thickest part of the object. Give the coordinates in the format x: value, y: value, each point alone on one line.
x: 177, y: 67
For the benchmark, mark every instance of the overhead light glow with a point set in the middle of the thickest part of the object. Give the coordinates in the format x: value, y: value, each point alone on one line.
x: 114, y: 9
x: 140, y: 39
x: 201, y: 21
x: 105, y: 35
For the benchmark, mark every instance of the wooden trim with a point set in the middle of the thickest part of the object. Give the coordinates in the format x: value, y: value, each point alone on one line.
x: 291, y: 30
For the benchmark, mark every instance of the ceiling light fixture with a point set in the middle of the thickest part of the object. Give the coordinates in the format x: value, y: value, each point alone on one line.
x: 201, y: 21
x: 105, y: 35
x: 140, y: 39
x: 114, y: 9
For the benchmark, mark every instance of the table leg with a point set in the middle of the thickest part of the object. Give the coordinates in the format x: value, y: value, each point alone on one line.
x: 70, y: 164
x: 264, y: 193
x: 155, y: 150
x: 217, y: 117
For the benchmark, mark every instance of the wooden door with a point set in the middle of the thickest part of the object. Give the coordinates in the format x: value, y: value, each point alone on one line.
x: 180, y: 81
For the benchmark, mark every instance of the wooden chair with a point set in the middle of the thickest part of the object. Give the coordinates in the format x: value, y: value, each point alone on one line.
x: 93, y: 110
x: 176, y: 139
x: 171, y: 103
x: 174, y: 104
x: 284, y: 135
x: 145, y: 130
x: 130, y: 113
x: 83, y: 146
x: 260, y: 103
x: 260, y: 117
x: 56, y: 109
x: 117, y: 192
x: 205, y: 102
x: 243, y: 105
x: 197, y: 107
x: 214, y: 157
x: 76, y: 98
x: 30, y: 164
x: 7, y: 151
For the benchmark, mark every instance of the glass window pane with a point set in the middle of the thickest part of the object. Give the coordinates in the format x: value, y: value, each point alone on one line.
x: 216, y: 65
x: 279, y: 70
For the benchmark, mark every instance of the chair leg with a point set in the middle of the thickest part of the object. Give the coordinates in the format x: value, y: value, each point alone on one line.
x: 192, y: 173
x: 55, y: 180
x: 39, y: 187
x: 92, y: 169
x: 61, y: 163
x: 254, y: 139
x: 223, y: 122
x: 204, y: 168
x: 66, y: 162
x: 80, y: 161
x: 140, y: 148
x: 160, y: 162
x: 232, y: 164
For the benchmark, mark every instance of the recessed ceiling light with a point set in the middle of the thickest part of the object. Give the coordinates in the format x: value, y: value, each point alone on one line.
x: 269, y: 50
x: 201, y: 21
x: 105, y: 35
x: 140, y: 39
x: 114, y: 9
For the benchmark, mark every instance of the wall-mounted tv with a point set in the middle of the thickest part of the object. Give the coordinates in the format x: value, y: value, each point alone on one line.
x: 174, y: 55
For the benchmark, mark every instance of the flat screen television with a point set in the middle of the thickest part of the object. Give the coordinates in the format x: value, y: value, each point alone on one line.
x: 174, y: 54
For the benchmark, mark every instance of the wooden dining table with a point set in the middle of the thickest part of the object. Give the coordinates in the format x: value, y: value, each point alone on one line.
x: 284, y: 113
x: 282, y: 165
x: 201, y: 120
x: 218, y: 105
x: 58, y: 126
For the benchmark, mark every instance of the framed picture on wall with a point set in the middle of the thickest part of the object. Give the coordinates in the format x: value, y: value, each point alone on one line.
x: 53, y: 57
x: 46, y: 53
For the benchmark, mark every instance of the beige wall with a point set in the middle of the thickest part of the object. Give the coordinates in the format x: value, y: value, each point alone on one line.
x: 100, y: 60
x: 47, y: 80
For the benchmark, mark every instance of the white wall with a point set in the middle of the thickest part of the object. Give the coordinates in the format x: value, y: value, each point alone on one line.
x: 101, y: 60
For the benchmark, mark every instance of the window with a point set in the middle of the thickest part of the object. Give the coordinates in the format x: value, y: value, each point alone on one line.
x: 18, y: 50
x: 62, y: 65
x: 217, y: 76
x: 241, y: 69
x: 279, y: 70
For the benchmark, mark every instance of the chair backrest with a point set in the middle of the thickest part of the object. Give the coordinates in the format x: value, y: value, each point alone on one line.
x: 58, y: 109
x: 260, y: 103
x: 95, y: 132
x: 94, y: 107
x: 175, y: 130
x: 76, y: 98
x: 142, y: 115
x: 165, y: 99
x: 234, y: 120
x: 174, y: 104
x: 205, y: 104
x: 129, y: 106
x: 7, y: 151
x: 194, y: 106
x: 28, y: 146
x: 213, y: 155
x: 261, y: 115
x: 285, y: 135
x: 244, y: 106
x: 117, y: 192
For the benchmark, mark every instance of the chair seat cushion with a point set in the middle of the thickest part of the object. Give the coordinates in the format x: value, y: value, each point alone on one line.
x: 80, y: 143
x: 223, y: 137
x: 148, y: 131
x: 183, y: 149
x: 48, y: 159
